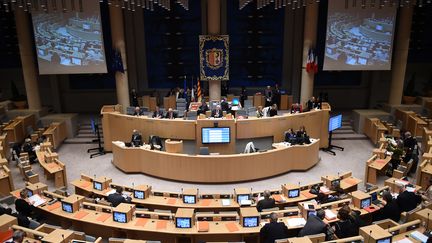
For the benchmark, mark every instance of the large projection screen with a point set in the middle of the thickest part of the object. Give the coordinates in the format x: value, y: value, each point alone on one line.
x: 357, y: 38
x: 70, y: 42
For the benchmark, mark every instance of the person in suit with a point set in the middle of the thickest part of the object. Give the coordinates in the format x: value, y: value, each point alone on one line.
x: 406, y: 200
x: 296, y: 108
x: 265, y: 203
x: 134, y: 98
x: 217, y: 113
x: 274, y: 230
x: 290, y: 136
x: 136, y: 140
x: 390, y: 210
x: 137, y: 111
x: 311, y: 104
x: 346, y: 226
x: 314, y: 224
x: 273, y: 110
x: 29, y: 149
x: 276, y: 95
x: 18, y: 236
x: 203, y: 108
x: 22, y: 205
x: 117, y: 197
x: 157, y: 113
x: 224, y: 105
x: 170, y: 114
x: 268, y: 93
x: 243, y: 95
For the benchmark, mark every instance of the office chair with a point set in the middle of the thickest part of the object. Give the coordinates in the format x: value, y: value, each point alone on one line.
x: 155, y: 142
x: 204, y: 151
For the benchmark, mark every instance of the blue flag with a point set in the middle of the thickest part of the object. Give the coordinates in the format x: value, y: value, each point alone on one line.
x: 117, y: 63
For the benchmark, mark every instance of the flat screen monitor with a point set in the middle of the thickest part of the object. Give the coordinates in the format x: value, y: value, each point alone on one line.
x: 235, y: 102
x: 294, y: 193
x: 365, y: 203
x: 119, y: 217
x: 335, y: 122
x: 374, y: 196
x: 29, y: 193
x: 67, y: 207
x: 385, y: 240
x: 189, y: 199
x: 335, y: 183
x: 183, y: 223
x: 97, y: 186
x: 215, y: 135
x: 139, y: 194
x: 250, y: 221
x: 311, y: 213
x: 240, y: 198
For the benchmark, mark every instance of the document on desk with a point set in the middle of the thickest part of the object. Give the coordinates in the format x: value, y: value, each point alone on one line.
x: 296, y: 222
x: 404, y: 240
x: 110, y: 192
x: 36, y: 200
x: 226, y: 202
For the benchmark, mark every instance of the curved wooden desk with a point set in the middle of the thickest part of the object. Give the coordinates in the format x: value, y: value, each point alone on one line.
x: 218, y: 168
x: 119, y: 127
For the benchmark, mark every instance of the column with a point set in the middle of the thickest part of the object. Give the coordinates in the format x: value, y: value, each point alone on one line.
x: 30, y: 73
x: 309, y: 41
x: 400, y: 55
x: 118, y: 42
x: 214, y: 28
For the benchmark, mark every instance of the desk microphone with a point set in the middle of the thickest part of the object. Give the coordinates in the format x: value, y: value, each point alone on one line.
x: 63, y: 238
x: 370, y: 235
x: 427, y: 232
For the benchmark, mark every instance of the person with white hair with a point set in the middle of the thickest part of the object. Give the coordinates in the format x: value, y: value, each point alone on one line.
x: 274, y: 230
x: 266, y: 202
x: 407, y: 199
x: 217, y: 113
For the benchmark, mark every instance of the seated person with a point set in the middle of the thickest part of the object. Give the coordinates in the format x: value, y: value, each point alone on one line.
x: 260, y: 112
x: 314, y: 224
x: 311, y: 103
x: 274, y: 230
x: 302, y: 136
x: 117, y: 197
x: 137, y: 111
x: 290, y: 136
x: 273, y: 110
x: 203, y: 108
x: 18, y: 236
x: 217, y: 113
x: 347, y: 225
x: 427, y: 194
x: 28, y: 148
x: 265, y: 203
x: 296, y: 108
x: 170, y: 114
x: 390, y: 209
x: 224, y: 105
x: 157, y: 113
x: 155, y: 143
x: 136, y: 140
x: 22, y: 205
x: 407, y: 200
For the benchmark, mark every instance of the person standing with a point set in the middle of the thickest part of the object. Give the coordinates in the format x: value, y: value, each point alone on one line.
x: 134, y: 98
x: 268, y: 96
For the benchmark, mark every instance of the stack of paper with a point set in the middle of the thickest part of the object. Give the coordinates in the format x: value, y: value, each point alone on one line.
x: 296, y: 222
x: 226, y: 202
x: 329, y: 215
x: 324, y: 189
x: 419, y: 236
x: 36, y: 200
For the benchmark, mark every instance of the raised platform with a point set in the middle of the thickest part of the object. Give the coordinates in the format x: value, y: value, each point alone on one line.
x: 358, y: 117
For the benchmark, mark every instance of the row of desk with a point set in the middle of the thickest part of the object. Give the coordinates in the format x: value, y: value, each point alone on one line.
x: 17, y: 129
x: 52, y: 166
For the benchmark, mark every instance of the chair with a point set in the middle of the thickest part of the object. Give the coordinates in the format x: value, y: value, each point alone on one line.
x: 248, y: 104
x: 204, y: 151
x: 251, y: 111
x: 130, y: 110
x: 241, y: 113
x: 191, y: 115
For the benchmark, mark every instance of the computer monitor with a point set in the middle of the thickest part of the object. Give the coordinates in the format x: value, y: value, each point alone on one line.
x: 240, y: 198
x: 189, y: 199
x: 29, y: 193
x: 335, y: 122
x: 250, y: 221
x: 294, y: 193
x: 183, y: 223
x: 385, y: 240
x: 311, y: 213
x: 215, y: 135
x: 365, y: 203
x: 235, y: 102
x: 335, y: 183
x: 374, y: 196
x: 97, y: 186
x: 119, y: 217
x: 67, y: 207
x: 139, y: 194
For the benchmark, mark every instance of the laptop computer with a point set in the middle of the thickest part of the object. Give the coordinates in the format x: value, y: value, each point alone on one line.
x: 375, y: 200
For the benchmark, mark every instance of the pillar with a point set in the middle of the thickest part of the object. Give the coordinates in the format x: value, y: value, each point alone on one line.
x: 309, y: 41
x: 30, y: 73
x: 118, y: 42
x: 214, y: 28
x: 400, y: 55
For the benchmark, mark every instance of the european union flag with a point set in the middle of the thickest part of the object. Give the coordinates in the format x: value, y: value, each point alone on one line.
x: 117, y: 63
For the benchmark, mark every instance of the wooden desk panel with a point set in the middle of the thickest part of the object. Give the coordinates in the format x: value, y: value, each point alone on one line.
x: 221, y: 168
x: 15, y: 131
x: 118, y: 127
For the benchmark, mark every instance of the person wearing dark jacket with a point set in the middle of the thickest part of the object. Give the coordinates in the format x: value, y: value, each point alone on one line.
x: 265, y: 203
x: 314, y: 224
x: 406, y: 200
x: 22, y: 206
x: 117, y: 197
x: 273, y: 110
x: 273, y: 231
x: 346, y: 226
x: 136, y: 139
x: 390, y: 210
x: 134, y: 98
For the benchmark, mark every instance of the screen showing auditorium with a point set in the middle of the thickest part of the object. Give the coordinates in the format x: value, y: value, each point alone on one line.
x: 359, y: 38
x: 70, y: 42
